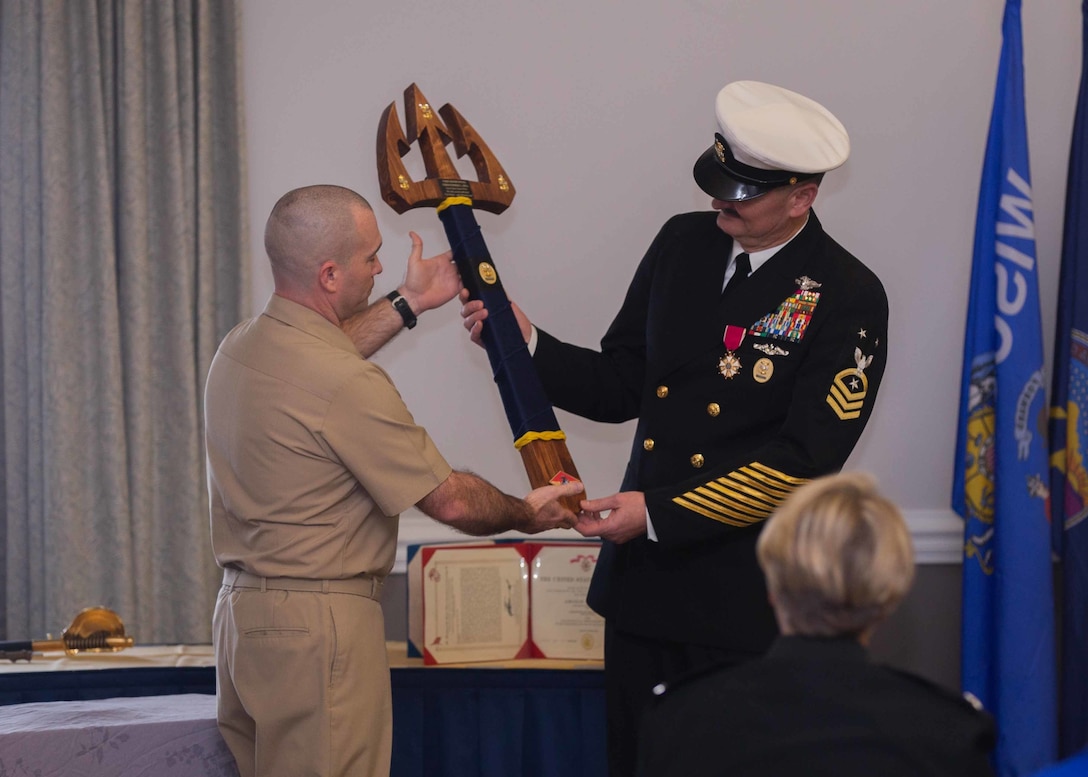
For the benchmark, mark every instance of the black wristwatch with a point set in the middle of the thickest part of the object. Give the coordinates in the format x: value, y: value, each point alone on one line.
x: 400, y: 304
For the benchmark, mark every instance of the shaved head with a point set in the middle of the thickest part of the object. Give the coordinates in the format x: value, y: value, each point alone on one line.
x: 309, y: 226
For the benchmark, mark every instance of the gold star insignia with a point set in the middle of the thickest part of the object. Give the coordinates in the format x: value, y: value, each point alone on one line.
x: 862, y: 334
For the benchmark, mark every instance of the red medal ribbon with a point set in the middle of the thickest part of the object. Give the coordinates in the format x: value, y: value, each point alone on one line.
x: 734, y: 336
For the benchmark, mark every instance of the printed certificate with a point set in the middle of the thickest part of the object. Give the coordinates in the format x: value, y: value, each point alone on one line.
x: 475, y: 604
x: 561, y: 623
x: 503, y: 601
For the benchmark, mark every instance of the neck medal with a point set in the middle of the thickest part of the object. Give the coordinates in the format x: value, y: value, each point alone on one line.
x: 729, y: 365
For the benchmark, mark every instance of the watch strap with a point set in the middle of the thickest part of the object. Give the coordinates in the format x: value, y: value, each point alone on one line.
x: 400, y: 304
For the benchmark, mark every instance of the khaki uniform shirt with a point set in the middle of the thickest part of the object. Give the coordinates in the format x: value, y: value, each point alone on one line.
x: 311, y: 451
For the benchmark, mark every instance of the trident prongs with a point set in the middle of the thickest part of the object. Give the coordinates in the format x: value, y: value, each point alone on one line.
x: 425, y: 126
x: 492, y: 192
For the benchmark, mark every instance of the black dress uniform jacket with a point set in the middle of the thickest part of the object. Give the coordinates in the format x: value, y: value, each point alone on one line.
x: 714, y: 454
x: 813, y: 707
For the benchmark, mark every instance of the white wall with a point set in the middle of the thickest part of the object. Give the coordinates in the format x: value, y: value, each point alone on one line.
x: 598, y: 109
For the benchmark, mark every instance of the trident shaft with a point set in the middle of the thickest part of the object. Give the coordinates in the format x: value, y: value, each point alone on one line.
x: 537, y: 435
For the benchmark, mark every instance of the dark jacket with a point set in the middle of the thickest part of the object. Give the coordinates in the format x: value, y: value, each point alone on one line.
x: 813, y: 707
x: 716, y: 455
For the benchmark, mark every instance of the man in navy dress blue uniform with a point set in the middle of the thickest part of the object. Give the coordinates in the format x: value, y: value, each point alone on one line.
x: 746, y: 383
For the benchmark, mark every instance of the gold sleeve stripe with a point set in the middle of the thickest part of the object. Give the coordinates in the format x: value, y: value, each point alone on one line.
x: 743, y: 497
x: 718, y: 512
x: 789, y: 481
x: 724, y: 501
x: 722, y: 494
x: 735, y: 511
x: 708, y: 513
x: 768, y: 492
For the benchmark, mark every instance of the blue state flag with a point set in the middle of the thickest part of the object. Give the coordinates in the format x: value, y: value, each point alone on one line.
x: 1000, y: 484
x: 1069, y: 431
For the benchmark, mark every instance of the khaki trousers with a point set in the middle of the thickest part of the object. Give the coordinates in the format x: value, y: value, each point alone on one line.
x: 302, y: 677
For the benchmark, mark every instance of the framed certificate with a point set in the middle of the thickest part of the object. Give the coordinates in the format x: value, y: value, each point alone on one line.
x: 414, y: 575
x: 505, y: 601
x: 475, y: 604
x: 561, y: 623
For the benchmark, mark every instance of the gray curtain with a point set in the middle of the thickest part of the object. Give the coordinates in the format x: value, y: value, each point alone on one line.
x: 122, y: 240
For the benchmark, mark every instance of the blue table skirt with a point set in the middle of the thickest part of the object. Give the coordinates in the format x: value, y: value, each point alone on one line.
x: 496, y: 723
x: 89, y: 684
x: 446, y: 721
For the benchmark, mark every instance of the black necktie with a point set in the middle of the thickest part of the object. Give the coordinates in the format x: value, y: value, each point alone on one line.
x: 740, y: 272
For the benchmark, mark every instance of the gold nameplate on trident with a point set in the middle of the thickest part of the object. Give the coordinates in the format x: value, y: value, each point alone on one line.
x: 537, y: 435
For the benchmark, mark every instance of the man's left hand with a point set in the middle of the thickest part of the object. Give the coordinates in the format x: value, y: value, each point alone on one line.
x: 429, y: 283
x: 617, y: 518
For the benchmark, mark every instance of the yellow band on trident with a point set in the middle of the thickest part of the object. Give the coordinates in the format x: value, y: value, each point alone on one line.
x: 453, y: 201
x: 529, y: 437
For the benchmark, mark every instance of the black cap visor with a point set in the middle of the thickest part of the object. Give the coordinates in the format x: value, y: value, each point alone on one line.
x: 721, y: 176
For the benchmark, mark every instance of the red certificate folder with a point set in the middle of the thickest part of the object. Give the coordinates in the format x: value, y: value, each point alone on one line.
x: 505, y: 601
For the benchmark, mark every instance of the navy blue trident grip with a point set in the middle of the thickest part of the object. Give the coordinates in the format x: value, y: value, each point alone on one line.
x: 537, y: 435
x: 527, y: 407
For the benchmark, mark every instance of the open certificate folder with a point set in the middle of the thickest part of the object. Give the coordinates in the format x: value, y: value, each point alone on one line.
x: 507, y: 601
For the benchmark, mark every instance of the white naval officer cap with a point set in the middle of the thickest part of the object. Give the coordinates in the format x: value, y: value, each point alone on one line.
x: 769, y: 137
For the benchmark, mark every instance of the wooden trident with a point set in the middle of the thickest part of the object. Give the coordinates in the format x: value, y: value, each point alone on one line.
x: 536, y: 431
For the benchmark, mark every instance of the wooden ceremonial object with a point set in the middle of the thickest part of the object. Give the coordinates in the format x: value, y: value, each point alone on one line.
x: 537, y: 434
x: 493, y: 191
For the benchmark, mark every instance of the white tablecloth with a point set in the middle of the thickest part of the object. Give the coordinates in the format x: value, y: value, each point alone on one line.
x: 129, y: 658
x: 171, y: 736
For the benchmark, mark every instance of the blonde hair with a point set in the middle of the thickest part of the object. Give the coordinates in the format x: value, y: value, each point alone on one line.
x: 837, y: 556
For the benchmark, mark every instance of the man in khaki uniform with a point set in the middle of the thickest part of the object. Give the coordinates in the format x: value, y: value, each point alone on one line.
x: 312, y: 455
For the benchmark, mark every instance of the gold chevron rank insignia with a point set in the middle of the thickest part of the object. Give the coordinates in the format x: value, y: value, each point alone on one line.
x: 847, y: 394
x: 742, y: 498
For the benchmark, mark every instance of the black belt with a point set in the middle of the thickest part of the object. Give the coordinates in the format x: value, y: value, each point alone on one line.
x: 363, y: 585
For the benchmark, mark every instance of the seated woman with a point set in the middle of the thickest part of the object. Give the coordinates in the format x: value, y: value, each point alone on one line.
x: 838, y: 559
